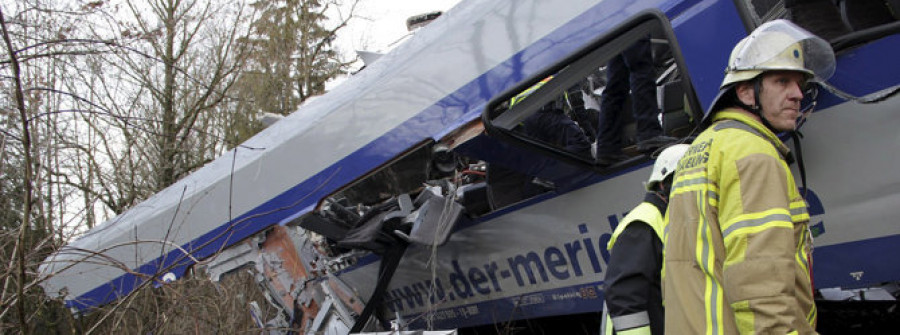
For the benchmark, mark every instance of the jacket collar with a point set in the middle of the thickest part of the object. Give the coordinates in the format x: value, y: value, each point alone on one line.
x: 655, y: 200
x: 736, y: 115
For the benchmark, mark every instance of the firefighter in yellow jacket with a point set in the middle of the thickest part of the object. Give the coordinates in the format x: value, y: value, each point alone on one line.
x: 633, y: 296
x: 737, y: 247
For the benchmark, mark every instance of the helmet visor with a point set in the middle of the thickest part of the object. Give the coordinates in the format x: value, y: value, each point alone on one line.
x: 781, y: 45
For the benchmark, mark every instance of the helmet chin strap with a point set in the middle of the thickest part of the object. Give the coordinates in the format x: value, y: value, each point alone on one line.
x: 795, y: 135
x: 756, y: 108
x: 757, y: 105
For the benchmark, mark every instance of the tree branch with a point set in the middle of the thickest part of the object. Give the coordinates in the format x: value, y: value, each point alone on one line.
x: 26, y: 144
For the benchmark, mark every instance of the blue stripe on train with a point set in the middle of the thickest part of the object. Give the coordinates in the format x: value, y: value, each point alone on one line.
x: 869, y: 260
x: 465, y: 105
x: 450, y: 112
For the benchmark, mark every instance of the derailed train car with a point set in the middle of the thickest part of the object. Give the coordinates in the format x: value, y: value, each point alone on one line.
x: 412, y: 193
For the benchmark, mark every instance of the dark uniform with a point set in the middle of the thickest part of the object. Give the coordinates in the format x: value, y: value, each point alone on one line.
x: 633, y: 294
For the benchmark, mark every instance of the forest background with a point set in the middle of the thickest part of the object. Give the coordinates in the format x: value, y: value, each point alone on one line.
x: 104, y: 103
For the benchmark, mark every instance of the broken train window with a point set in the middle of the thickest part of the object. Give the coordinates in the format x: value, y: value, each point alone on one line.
x: 416, y: 198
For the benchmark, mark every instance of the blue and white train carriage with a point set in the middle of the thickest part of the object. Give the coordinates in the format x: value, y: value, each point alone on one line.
x: 377, y: 201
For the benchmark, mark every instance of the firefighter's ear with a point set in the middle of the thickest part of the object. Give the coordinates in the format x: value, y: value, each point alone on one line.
x: 744, y: 92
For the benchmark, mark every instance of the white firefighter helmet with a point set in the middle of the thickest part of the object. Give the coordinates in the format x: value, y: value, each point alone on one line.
x: 779, y: 45
x: 665, y: 164
x: 773, y: 46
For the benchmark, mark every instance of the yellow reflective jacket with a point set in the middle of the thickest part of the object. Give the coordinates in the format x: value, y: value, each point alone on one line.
x: 737, y: 246
x: 638, y: 323
x: 644, y: 212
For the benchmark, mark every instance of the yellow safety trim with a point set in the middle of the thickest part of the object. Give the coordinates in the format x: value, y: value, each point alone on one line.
x: 639, y: 323
x: 717, y: 218
x: 645, y: 212
x: 630, y: 321
x: 802, y: 256
x: 743, y: 317
x: 799, y: 211
x: 812, y: 316
x: 756, y: 222
x: 635, y: 331
x: 713, y: 296
x: 521, y: 96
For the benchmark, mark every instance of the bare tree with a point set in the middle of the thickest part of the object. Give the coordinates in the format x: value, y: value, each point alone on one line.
x: 26, y: 151
x: 104, y: 104
x: 66, y: 137
x: 183, y: 68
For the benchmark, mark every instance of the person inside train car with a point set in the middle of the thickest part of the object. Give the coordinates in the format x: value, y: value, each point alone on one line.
x: 551, y: 125
x: 632, y: 70
x: 737, y: 243
x: 582, y: 107
x: 633, y: 278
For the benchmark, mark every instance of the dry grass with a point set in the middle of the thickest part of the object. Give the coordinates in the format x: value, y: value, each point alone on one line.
x: 192, y: 305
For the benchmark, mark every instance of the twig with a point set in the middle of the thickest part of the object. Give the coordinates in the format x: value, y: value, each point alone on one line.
x: 26, y: 144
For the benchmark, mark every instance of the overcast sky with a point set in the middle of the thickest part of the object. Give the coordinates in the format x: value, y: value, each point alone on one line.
x: 383, y: 22
x: 380, y: 25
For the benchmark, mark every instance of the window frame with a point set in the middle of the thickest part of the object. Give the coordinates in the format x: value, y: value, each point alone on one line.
x: 751, y: 20
x: 572, y: 69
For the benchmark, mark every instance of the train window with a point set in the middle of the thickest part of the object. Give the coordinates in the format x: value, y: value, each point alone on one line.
x: 610, y: 104
x: 842, y: 22
x: 419, y: 196
x: 764, y: 10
